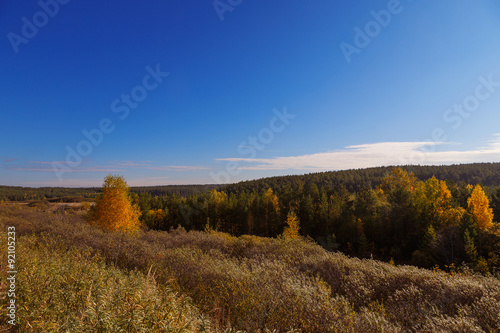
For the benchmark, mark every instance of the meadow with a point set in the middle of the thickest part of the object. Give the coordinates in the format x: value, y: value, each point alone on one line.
x: 76, y: 277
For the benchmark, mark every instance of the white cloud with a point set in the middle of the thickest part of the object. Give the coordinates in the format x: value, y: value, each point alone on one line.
x: 157, y: 181
x: 376, y: 154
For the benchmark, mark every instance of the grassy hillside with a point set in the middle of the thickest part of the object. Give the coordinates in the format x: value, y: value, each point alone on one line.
x: 93, y: 278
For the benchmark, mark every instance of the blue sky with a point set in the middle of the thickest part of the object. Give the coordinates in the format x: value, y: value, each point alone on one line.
x: 183, y: 92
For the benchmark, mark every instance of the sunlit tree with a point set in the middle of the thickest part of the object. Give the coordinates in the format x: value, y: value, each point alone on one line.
x: 113, y: 209
x: 217, y: 202
x: 399, y: 179
x: 479, y: 208
x: 292, y: 229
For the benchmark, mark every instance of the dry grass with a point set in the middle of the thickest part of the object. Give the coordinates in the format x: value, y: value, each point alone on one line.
x: 65, y: 289
x: 252, y: 283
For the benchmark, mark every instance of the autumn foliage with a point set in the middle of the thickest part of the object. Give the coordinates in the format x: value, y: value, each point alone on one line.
x: 113, y: 209
x: 292, y: 229
x: 479, y: 208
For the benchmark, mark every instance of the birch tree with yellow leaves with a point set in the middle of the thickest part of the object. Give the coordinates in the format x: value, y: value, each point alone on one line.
x: 113, y: 209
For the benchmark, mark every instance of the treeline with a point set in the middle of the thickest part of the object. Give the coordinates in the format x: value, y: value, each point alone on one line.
x: 180, y: 190
x: 64, y: 194
x: 19, y: 193
x: 420, y: 222
x: 486, y: 174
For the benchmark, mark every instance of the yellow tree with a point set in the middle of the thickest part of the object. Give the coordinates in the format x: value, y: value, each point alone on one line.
x: 113, y: 209
x: 479, y: 208
x: 433, y: 202
x: 272, y: 199
x: 399, y: 179
x: 445, y: 193
x: 450, y: 216
x: 217, y: 202
x: 292, y: 230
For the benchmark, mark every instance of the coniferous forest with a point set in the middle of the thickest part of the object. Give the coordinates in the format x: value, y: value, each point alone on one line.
x: 425, y: 216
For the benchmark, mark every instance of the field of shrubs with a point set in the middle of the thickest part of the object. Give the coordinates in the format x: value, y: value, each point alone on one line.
x: 74, y: 277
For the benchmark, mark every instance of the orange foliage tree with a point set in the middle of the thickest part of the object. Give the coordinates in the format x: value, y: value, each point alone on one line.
x: 479, y: 208
x: 113, y: 209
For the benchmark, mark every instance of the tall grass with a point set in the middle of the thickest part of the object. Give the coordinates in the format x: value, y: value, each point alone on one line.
x: 252, y: 283
x: 65, y: 289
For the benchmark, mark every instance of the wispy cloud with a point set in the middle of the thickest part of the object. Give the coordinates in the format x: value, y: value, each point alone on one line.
x: 133, y: 164
x: 376, y: 154
x: 177, y: 168
x: 46, y: 162
x: 155, y: 181
x: 50, y: 169
x: 47, y: 166
x: 91, y: 182
x: 88, y: 166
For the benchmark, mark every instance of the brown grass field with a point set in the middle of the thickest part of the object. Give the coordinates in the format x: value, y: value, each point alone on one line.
x: 73, y: 277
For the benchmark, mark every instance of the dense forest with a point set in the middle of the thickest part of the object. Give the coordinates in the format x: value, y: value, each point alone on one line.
x: 424, y: 216
x: 486, y: 174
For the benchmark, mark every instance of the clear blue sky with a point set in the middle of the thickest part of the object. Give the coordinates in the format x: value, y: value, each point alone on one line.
x: 419, y: 85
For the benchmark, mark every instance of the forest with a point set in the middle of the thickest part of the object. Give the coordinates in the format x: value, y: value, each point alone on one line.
x: 424, y: 216
x: 419, y: 215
